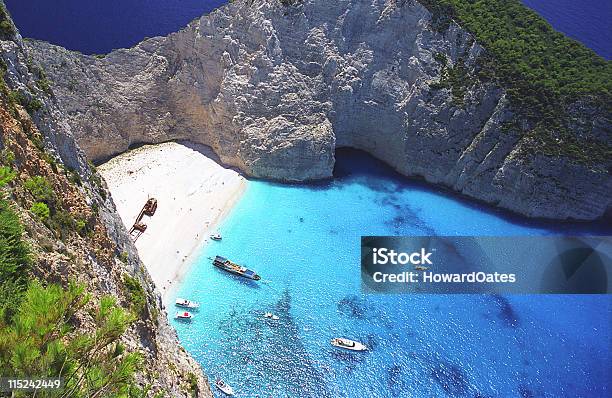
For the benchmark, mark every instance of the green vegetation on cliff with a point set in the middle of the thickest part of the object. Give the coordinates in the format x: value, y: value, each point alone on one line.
x: 41, y: 342
x: 136, y: 294
x: 543, y: 71
x: 14, y: 254
x: 37, y: 334
x: 538, y: 63
x: 7, y: 30
x: 48, y: 329
x: 35, y: 321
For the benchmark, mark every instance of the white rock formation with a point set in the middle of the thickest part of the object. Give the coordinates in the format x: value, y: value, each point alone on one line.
x: 275, y: 89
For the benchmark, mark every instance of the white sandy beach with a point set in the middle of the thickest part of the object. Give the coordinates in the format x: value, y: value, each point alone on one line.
x: 193, y: 192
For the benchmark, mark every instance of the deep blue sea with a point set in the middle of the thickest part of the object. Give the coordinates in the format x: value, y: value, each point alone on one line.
x: 100, y: 26
x: 304, y: 241
x: 96, y: 27
x: 588, y: 21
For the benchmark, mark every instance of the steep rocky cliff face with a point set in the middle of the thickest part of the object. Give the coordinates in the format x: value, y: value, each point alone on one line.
x: 85, y: 241
x: 275, y: 88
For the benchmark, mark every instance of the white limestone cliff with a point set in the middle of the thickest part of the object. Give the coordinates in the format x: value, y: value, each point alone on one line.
x: 274, y: 89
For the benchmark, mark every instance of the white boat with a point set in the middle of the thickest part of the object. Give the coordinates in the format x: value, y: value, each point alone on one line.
x: 223, y: 386
x: 183, y: 315
x: 348, y: 344
x: 216, y: 237
x: 181, y: 302
x: 270, y: 315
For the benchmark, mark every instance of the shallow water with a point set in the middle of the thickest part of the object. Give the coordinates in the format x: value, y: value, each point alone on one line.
x: 304, y: 241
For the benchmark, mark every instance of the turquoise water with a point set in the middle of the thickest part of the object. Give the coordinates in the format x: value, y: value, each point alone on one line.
x: 304, y: 241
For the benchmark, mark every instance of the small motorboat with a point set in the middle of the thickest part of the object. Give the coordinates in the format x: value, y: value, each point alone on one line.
x: 421, y: 268
x: 223, y: 386
x: 183, y: 315
x: 181, y: 302
x: 348, y: 344
x: 231, y: 267
x: 216, y: 237
x: 270, y: 315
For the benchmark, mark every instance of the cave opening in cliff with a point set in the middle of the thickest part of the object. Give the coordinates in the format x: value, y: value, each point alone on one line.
x: 352, y: 161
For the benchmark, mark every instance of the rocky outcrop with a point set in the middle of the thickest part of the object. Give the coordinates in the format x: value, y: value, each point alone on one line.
x: 275, y: 88
x: 100, y: 255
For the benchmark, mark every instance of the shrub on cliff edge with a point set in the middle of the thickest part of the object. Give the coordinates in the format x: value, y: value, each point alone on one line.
x: 14, y: 254
x: 92, y: 364
x: 40, y: 210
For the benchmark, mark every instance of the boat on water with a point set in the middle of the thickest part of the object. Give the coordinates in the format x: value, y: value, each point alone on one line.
x: 181, y: 302
x: 216, y: 237
x: 270, y: 315
x: 183, y: 315
x: 421, y: 268
x: 223, y: 386
x: 348, y: 344
x: 227, y: 265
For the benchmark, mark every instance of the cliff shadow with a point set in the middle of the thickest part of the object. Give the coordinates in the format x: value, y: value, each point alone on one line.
x: 360, y: 166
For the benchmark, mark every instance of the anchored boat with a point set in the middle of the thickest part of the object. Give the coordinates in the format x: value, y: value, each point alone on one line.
x: 270, y: 315
x: 181, y: 302
x: 223, y: 386
x: 216, y: 237
x: 348, y: 344
x: 227, y: 265
x: 183, y: 315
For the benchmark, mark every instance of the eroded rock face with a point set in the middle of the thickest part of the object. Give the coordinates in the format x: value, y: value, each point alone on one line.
x: 275, y: 89
x: 41, y: 144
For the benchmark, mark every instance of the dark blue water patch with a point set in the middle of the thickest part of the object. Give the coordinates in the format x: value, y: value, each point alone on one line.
x: 587, y: 21
x: 390, y: 201
x: 404, y: 216
x: 356, y: 307
x: 451, y: 378
x: 394, y: 376
x: 360, y: 167
x: 506, y: 311
x: 304, y: 377
x: 97, y: 27
x: 348, y: 357
x: 353, y: 306
x: 524, y: 391
x: 396, y: 380
x: 409, y: 216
